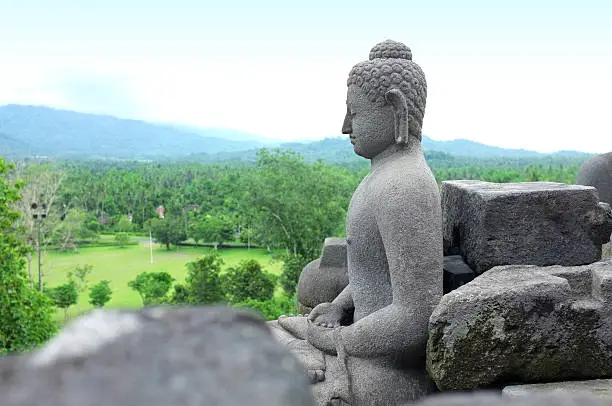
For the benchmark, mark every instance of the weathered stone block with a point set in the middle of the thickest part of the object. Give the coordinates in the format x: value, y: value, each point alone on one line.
x: 456, y: 273
x: 158, y: 357
x: 536, y: 223
x: 526, y: 324
x: 601, y: 388
x: 492, y: 399
x: 324, y: 278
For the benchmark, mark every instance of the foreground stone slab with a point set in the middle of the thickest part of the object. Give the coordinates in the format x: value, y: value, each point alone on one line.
x: 491, y: 399
x: 601, y: 388
x: 157, y: 357
x: 535, y: 223
x: 524, y: 324
x: 323, y: 279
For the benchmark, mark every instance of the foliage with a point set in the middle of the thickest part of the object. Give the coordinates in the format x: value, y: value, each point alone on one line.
x: 79, y: 275
x: 168, y: 231
x: 292, y: 267
x: 270, y: 309
x: 25, y: 314
x: 100, y: 293
x: 64, y: 296
x: 180, y: 295
x: 248, y: 281
x: 122, y: 238
x: 297, y: 204
x: 203, y: 281
x: 124, y: 225
x: 213, y: 229
x: 152, y: 286
x: 75, y: 227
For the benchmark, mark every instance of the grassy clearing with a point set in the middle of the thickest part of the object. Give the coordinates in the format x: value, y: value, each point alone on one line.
x: 120, y: 265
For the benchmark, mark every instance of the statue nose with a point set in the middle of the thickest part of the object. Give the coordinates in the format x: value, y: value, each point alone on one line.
x: 346, y: 126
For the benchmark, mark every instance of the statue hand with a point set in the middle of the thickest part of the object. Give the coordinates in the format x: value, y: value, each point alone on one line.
x: 326, y: 315
x: 322, y: 338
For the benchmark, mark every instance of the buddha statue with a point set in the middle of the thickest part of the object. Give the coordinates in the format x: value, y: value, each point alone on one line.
x: 367, y: 346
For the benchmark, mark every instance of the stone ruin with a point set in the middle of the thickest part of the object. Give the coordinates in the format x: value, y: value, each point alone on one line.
x: 525, y: 319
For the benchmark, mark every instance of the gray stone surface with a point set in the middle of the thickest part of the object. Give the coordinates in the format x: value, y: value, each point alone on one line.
x: 525, y: 324
x: 535, y: 223
x: 456, y: 273
x: 601, y: 388
x: 157, y: 357
x: 323, y: 279
x: 492, y: 399
x: 394, y: 248
x: 597, y: 171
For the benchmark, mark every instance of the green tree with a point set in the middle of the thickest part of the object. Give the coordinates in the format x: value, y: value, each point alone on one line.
x: 122, y: 239
x: 152, y: 287
x: 65, y: 296
x: 291, y: 269
x: 212, y: 229
x: 248, y: 281
x: 75, y: 228
x: 124, y: 225
x: 80, y: 275
x: 203, y: 281
x: 100, y: 293
x: 26, y: 315
x: 168, y: 231
x: 295, y: 203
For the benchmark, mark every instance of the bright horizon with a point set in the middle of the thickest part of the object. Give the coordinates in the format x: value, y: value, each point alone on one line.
x: 531, y: 77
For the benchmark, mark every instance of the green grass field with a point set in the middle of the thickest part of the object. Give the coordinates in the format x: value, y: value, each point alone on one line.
x: 120, y: 265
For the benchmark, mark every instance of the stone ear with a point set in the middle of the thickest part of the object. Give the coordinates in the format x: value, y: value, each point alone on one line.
x: 400, y: 108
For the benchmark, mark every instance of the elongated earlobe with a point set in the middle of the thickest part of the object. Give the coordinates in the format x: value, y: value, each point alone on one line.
x: 400, y: 108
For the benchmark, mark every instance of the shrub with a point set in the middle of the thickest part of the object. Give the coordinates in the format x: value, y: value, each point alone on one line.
x: 152, y: 286
x: 100, y: 293
x: 248, y: 281
x: 270, y: 309
x: 203, y: 282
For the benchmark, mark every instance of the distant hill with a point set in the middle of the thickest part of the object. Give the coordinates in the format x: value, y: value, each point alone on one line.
x: 35, y: 130
x: 445, y: 153
x: 43, y: 131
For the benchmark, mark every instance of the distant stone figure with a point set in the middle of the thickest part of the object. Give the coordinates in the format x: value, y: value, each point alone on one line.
x: 597, y: 172
x: 324, y: 278
x: 394, y: 249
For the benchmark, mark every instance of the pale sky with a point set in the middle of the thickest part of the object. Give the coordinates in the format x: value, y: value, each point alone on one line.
x: 516, y: 76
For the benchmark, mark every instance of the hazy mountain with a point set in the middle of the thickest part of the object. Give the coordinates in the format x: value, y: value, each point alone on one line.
x: 27, y: 130
x: 228, y: 134
x: 35, y: 130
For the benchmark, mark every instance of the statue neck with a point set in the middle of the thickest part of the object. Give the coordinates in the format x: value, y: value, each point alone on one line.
x: 393, y: 151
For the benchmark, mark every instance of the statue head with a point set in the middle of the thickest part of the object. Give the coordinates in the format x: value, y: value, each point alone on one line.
x: 385, y: 101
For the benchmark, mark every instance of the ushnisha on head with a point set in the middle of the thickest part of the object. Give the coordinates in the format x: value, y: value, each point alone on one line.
x: 391, y: 79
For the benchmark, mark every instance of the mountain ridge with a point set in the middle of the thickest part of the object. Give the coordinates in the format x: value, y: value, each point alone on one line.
x: 28, y: 130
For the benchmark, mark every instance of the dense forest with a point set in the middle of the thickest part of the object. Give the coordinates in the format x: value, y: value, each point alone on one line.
x: 280, y: 200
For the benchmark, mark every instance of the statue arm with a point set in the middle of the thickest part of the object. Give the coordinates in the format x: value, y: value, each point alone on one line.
x: 409, y: 222
x: 345, y: 299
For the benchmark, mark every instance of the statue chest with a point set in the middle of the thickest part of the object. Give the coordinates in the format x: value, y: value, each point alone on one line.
x: 365, y: 249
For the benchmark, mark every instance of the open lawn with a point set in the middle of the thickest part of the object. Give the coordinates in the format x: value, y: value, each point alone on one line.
x: 120, y: 265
